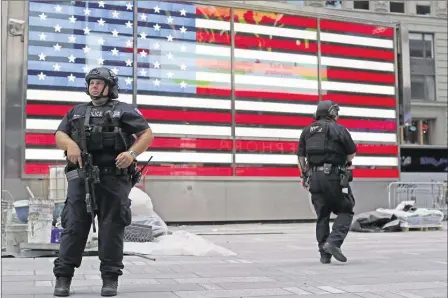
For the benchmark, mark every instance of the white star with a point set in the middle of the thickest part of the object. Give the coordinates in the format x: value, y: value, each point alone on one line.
x: 115, y: 70
x: 183, y: 84
x: 100, y: 61
x: 129, y: 43
x: 115, y: 33
x: 42, y: 36
x: 86, y: 30
x: 143, y: 35
x: 156, y: 45
x: 157, y: 27
x: 156, y: 64
x: 156, y: 82
x: 87, y: 12
x: 72, y: 38
x: 71, y: 58
x: 41, y: 76
x: 170, y: 20
x: 86, y: 49
x: 56, y: 67
x: 114, y: 52
x: 58, y: 8
x: 101, y: 41
x: 100, y: 3
x: 143, y: 17
x: 129, y: 6
x: 86, y: 69
x: 43, y: 16
x: 183, y: 12
x: 72, y: 19
x: 183, y: 67
x: 157, y: 9
x: 57, y: 28
x: 57, y: 47
x: 129, y: 24
x: 129, y: 62
x: 143, y: 72
x: 143, y: 53
x: 115, y: 14
x: 128, y: 81
x: 71, y: 78
x: 101, y: 22
x: 183, y: 29
x: 169, y: 75
x: 183, y: 48
x: 169, y: 37
x: 170, y: 56
x: 42, y: 56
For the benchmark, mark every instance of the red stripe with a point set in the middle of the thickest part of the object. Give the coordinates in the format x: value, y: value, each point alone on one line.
x: 43, y: 169
x: 241, y: 94
x: 358, y: 28
x: 350, y: 99
x: 34, y: 139
x: 347, y: 51
x: 294, y: 172
x: 358, y: 76
x: 272, y: 18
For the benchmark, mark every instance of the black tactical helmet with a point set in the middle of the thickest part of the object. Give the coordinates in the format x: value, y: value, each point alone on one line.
x: 327, y: 108
x: 108, y: 76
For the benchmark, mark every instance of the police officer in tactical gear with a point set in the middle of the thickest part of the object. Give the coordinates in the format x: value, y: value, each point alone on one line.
x: 326, y: 150
x: 108, y: 128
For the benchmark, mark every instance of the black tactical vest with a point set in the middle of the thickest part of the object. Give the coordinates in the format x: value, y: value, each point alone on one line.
x: 101, y: 125
x: 321, y: 145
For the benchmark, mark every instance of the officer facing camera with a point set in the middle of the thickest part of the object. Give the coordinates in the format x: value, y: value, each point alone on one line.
x: 326, y: 150
x: 101, y: 149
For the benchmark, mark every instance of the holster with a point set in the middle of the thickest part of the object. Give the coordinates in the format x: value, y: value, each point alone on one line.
x: 346, y: 177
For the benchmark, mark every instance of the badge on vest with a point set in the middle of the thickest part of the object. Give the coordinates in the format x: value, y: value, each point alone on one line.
x: 96, y: 113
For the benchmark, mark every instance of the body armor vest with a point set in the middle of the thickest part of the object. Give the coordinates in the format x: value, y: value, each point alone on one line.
x: 319, y: 143
x: 101, y: 125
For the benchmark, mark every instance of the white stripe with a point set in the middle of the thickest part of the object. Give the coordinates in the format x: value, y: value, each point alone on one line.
x: 224, y: 131
x: 359, y: 88
x: 50, y: 95
x: 295, y: 83
x: 257, y: 80
x: 257, y: 29
x: 246, y: 158
x: 222, y: 104
x: 358, y: 64
x: 357, y: 40
x: 165, y: 157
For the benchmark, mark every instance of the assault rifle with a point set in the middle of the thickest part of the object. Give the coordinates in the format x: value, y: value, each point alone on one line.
x: 92, y: 177
x: 137, y: 174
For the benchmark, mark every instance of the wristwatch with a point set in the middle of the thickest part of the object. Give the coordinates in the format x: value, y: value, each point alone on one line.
x: 134, y: 155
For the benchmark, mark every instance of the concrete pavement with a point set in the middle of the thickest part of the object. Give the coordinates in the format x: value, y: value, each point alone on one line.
x: 272, y: 261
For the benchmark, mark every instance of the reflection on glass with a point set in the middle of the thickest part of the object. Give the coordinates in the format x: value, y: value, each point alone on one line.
x: 65, y: 41
x: 183, y: 82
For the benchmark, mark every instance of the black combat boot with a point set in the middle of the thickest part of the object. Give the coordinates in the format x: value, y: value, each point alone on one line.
x: 62, y: 287
x: 110, y: 285
x: 335, y: 252
x: 325, y: 258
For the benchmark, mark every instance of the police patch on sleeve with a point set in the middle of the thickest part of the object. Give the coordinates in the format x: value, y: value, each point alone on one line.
x: 138, y: 112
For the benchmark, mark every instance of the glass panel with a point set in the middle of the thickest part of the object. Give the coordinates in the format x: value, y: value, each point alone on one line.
x: 362, y: 81
x: 396, y: 7
x: 426, y: 130
x: 416, y: 48
x: 361, y: 5
x: 333, y: 3
x: 417, y: 87
x: 430, y: 88
x: 65, y: 41
x: 275, y: 89
x: 184, y: 86
x: 423, y: 10
x: 411, y: 133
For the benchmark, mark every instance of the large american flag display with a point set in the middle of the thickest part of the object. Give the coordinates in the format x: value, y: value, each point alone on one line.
x: 184, y: 83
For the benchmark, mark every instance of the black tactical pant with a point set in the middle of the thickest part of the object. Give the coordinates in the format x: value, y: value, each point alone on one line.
x: 114, y: 213
x: 327, y: 197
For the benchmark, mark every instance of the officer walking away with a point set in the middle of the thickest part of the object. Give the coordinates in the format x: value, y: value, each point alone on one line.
x: 106, y: 129
x: 326, y: 150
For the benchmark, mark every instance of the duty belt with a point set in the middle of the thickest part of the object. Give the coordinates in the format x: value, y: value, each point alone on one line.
x: 321, y: 168
x: 79, y: 173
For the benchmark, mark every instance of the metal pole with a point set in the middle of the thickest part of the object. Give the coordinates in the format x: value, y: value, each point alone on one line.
x: 397, y: 100
x: 319, y: 83
x: 232, y: 86
x: 134, y: 53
